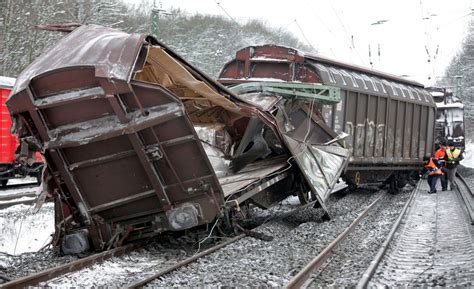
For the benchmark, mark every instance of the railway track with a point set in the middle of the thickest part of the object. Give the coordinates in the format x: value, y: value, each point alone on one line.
x: 430, y: 244
x: 467, y: 196
x: 11, y: 197
x: 172, y: 264
x: 7, y: 204
x: 163, y: 267
x: 27, y: 197
x: 147, y: 280
x: 53, y: 276
x: 303, y: 277
x: 36, y: 278
x: 18, y: 186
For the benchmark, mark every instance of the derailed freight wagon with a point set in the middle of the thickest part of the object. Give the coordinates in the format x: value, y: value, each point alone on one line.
x: 137, y: 141
x: 23, y: 164
x: 389, y: 120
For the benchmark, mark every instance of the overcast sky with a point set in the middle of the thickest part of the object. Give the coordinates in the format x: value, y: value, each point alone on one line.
x: 408, y: 32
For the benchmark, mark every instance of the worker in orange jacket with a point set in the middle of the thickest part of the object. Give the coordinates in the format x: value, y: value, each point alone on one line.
x: 434, y: 171
x: 440, y: 156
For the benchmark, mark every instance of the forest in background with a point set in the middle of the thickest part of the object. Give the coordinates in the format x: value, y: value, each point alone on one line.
x: 206, y: 41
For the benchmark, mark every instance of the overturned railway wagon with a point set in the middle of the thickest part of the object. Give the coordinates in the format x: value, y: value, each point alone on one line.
x: 137, y: 141
x: 389, y: 120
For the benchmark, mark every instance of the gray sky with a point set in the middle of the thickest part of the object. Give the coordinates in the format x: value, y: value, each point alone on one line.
x: 415, y: 31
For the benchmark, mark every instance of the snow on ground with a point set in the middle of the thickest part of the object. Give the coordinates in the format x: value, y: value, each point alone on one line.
x: 468, y: 160
x: 24, y: 230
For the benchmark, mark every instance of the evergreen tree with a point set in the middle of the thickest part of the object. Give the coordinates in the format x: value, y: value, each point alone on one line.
x: 206, y: 41
x: 462, y: 66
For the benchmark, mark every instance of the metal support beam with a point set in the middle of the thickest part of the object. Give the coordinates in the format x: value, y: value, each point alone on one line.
x: 320, y: 93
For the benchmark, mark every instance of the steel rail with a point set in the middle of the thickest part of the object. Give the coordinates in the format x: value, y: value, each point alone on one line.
x: 185, y: 262
x: 466, y: 195
x: 19, y: 202
x: 299, y: 279
x: 10, y: 197
x: 27, y: 185
x: 364, y: 280
x: 48, y: 274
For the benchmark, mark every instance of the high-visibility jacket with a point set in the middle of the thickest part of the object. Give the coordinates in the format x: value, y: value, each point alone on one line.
x: 453, y: 154
x: 453, y: 157
x: 432, y: 168
x: 440, y: 155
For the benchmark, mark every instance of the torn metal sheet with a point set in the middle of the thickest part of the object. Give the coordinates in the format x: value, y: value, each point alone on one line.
x: 234, y: 183
x: 320, y: 156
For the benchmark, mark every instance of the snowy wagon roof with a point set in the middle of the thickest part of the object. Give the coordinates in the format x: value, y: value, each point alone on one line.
x: 7, y: 82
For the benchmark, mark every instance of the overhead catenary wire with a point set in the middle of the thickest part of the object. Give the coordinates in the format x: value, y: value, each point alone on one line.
x: 350, y: 36
x: 304, y: 36
x: 324, y: 25
x: 225, y: 11
x: 426, y: 18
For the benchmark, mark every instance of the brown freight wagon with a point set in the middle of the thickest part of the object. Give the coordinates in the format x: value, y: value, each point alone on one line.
x: 138, y: 142
x: 389, y: 119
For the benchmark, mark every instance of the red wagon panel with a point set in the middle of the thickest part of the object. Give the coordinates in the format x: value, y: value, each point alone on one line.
x: 8, y: 142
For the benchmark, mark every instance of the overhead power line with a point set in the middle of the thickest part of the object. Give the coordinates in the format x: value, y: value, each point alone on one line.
x: 226, y: 13
x: 324, y: 25
x: 349, y: 36
x: 304, y: 36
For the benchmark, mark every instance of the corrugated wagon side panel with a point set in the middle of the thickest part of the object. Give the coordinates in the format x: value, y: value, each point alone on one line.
x: 381, y: 127
x: 423, y: 131
x: 350, y: 119
x: 399, y: 129
x: 430, y: 128
x: 415, y: 131
x: 391, y: 128
x: 407, y: 138
x: 371, y: 126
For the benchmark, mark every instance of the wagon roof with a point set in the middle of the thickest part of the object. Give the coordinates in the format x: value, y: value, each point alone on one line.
x: 112, y: 52
x: 312, y: 58
x: 353, y: 67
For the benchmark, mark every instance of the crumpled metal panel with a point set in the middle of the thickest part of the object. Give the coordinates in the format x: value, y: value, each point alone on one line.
x: 315, y: 147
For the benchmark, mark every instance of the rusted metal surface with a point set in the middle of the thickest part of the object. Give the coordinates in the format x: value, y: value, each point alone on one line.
x: 122, y: 154
x: 389, y: 120
x: 65, y: 27
x: 137, y: 141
